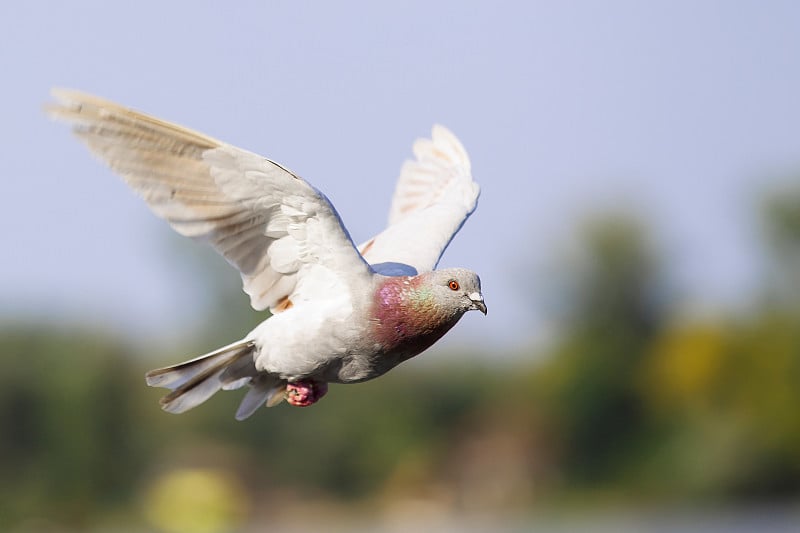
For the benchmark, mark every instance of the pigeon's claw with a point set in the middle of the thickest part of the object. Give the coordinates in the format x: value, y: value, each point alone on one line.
x: 305, y: 393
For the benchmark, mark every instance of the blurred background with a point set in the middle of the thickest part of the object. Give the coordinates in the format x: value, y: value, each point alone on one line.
x: 638, y: 238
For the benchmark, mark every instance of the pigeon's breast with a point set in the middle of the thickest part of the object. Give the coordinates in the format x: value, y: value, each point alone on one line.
x: 406, y: 318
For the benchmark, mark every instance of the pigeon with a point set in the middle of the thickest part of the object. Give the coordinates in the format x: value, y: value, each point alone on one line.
x: 339, y: 313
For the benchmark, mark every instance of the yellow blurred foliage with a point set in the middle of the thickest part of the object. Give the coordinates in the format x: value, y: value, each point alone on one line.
x: 684, y: 365
x: 194, y: 500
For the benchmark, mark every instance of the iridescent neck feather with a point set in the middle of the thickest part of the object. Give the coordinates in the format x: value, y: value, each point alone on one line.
x: 408, y: 313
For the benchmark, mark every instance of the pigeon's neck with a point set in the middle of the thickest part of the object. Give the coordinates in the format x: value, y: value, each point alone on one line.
x: 408, y: 317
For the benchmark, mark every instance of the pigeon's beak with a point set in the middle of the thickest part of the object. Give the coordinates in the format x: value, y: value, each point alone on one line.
x: 477, y: 302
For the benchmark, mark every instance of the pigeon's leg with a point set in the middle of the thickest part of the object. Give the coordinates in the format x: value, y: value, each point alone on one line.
x: 305, y: 393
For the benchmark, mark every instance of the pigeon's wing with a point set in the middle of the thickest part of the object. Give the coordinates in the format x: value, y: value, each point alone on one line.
x: 434, y: 196
x: 267, y: 222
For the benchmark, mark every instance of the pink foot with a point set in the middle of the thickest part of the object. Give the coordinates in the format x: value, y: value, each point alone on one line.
x: 305, y: 393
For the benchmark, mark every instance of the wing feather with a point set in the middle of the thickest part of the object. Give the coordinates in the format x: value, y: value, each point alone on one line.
x: 435, y: 195
x: 266, y: 221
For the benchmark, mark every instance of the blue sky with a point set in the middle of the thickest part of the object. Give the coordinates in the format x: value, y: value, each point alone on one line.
x: 679, y: 110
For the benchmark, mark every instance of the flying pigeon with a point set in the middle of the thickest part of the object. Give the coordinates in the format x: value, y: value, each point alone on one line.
x: 340, y: 313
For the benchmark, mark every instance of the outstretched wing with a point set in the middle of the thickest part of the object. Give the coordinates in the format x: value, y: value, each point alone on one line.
x: 263, y: 219
x: 435, y: 195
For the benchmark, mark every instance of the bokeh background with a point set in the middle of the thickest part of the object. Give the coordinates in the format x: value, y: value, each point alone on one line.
x: 638, y: 237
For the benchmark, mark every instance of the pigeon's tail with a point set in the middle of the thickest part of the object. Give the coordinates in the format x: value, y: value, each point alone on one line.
x: 230, y: 367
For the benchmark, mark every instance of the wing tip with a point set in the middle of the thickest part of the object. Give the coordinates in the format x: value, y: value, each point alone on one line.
x: 73, y: 98
x: 443, y: 145
x: 77, y: 107
x: 60, y: 107
x: 440, y: 130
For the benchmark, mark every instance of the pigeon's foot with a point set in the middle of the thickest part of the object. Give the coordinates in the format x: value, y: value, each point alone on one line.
x: 305, y: 393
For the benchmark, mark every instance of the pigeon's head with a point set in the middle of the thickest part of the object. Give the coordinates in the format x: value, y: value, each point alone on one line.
x: 459, y: 287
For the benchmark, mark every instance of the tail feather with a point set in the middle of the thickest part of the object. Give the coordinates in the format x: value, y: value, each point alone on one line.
x: 201, y: 385
x: 193, y: 382
x: 242, y: 368
x: 184, y: 398
x: 174, y: 376
x: 264, y: 390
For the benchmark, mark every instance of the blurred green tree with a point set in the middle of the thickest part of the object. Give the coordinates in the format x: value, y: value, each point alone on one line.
x: 68, y: 415
x: 780, y: 217
x: 611, y: 308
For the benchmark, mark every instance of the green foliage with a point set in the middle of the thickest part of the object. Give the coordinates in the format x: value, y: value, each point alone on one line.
x: 608, y: 325
x: 67, y: 402
x: 781, y: 228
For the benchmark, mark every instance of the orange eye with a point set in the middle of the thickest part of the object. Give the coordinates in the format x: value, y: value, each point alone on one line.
x: 453, y: 284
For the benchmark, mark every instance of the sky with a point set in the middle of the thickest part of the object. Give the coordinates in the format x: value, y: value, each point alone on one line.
x: 680, y: 111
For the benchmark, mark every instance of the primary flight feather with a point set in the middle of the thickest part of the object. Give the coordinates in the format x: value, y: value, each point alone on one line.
x: 340, y: 313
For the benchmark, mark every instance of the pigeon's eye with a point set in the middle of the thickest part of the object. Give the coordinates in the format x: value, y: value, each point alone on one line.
x: 453, y: 284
